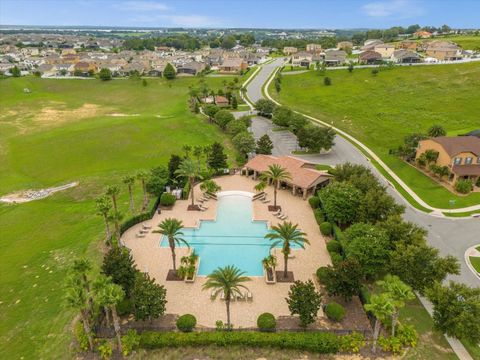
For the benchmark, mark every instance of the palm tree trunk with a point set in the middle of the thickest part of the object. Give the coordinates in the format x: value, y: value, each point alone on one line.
x: 191, y: 189
x: 116, y: 326
x: 275, y: 195
x: 227, y: 303
x: 144, y: 188
x: 174, y: 256
x: 132, y: 205
x: 285, y: 269
x: 394, y: 322
x: 107, y: 316
x: 107, y: 228
x: 86, y: 328
x: 376, y: 332
x: 117, y: 229
x: 114, y: 201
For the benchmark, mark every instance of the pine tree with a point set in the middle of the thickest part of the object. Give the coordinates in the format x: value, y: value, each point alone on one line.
x: 217, y: 159
x: 234, y: 102
x: 264, y: 145
x: 169, y: 72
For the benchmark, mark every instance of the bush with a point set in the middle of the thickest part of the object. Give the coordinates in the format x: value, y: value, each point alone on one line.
x: 167, y: 199
x: 124, y: 307
x: 105, y: 349
x: 364, y: 295
x: 337, y: 233
x: 327, y: 81
x: 335, y: 311
x: 326, y: 228
x: 186, y: 323
x: 336, y: 258
x: 352, y: 343
x: 334, y: 247
x: 391, y: 344
x: 463, y: 186
x: 319, y: 216
x: 322, y: 274
x: 266, y: 322
x: 314, y: 202
x: 81, y: 336
x: 186, y: 191
x: 319, y: 342
x: 130, y: 342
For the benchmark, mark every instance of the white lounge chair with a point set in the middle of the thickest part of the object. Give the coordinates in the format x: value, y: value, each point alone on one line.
x: 283, y: 217
x: 222, y: 296
x: 140, y: 235
x: 249, y: 296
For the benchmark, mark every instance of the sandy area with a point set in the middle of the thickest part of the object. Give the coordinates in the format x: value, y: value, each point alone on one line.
x: 53, y: 116
x: 30, y: 195
x: 189, y: 298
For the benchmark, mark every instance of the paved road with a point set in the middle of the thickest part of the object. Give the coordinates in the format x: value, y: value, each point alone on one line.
x: 451, y: 236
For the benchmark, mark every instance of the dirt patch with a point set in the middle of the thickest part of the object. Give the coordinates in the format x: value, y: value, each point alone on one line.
x: 122, y: 115
x: 30, y: 195
x: 53, y: 116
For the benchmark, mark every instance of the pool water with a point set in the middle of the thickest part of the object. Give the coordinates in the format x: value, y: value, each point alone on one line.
x: 233, y: 239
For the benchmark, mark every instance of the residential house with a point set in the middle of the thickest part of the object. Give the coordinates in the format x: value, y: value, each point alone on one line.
x: 289, y: 50
x: 191, y: 68
x: 335, y: 57
x: 70, y: 58
x: 221, y: 101
x: 422, y: 34
x: 84, y: 68
x: 385, y: 50
x: 233, y: 66
x: 370, y: 57
x: 408, y: 45
x: 443, y: 50
x: 314, y: 48
x: 370, y: 44
x: 403, y: 56
x: 345, y: 45
x: 302, y: 58
x: 461, y: 154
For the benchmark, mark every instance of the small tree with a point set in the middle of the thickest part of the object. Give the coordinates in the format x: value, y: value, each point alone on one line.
x: 105, y: 74
x: 234, y: 102
x: 118, y: 264
x: 264, y: 145
x: 148, y: 298
x: 244, y: 142
x: 104, y: 206
x: 15, y: 71
x: 305, y: 301
x: 236, y: 126
x: 189, y: 170
x: 172, y: 229
x: 210, y: 110
x: 223, y: 117
x: 344, y: 279
x: 265, y: 107
x: 275, y: 174
x: 143, y: 176
x: 110, y: 295
x: 217, y: 159
x: 144, y: 82
x: 436, y: 131
x: 169, y: 72
x: 350, y: 67
x: 340, y: 202
x: 381, y: 307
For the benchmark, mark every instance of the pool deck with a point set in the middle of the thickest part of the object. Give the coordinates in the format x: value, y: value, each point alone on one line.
x: 189, y: 298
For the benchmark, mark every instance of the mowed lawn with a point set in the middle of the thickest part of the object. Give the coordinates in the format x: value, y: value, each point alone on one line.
x: 64, y: 131
x: 380, y: 110
x: 467, y: 42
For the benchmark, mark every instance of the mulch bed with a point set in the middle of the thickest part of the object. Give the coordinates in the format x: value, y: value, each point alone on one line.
x: 289, y: 279
x: 274, y: 208
x: 172, y: 276
x: 193, y: 208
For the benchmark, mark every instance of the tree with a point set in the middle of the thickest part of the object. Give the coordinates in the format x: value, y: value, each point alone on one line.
x: 217, y: 159
x: 113, y: 192
x: 244, y: 142
x: 340, y: 202
x: 198, y: 152
x: 281, y: 116
x: 399, y: 293
x: 265, y: 107
x: 236, y: 126
x: 344, y: 279
x: 172, y: 229
x: 169, y: 72
x: 129, y: 181
x: 210, y: 186
x: 118, y: 264
x: 264, y: 145
x: 378, y: 205
x: 228, y: 280
x: 228, y: 42
x: 275, y: 174
x: 260, y: 186
x: 148, y: 298
x: 15, y: 71
x: 173, y: 165
x: 381, y: 306
x: 297, y: 122
x: 246, y: 119
x: 305, y: 301
x: 350, y: 67
x: 436, y: 131
x: 81, y: 269
x: 234, y: 102
x: 420, y: 266
x: 210, y: 110
x: 104, y: 206
x: 190, y: 170
x: 142, y: 176
x: 286, y: 234
x: 431, y: 156
x: 223, y: 117
x: 400, y: 232
x: 105, y: 74
x: 315, y: 138
x: 156, y: 181
x: 456, y: 310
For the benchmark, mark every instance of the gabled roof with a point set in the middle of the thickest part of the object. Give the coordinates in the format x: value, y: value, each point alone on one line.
x: 458, y: 144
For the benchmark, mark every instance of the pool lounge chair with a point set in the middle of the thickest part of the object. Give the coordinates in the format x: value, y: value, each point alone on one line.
x: 249, y: 296
x: 146, y: 227
x: 282, y: 217
x: 265, y: 201
x: 140, y: 235
x: 241, y: 297
x: 222, y: 296
x: 278, y: 212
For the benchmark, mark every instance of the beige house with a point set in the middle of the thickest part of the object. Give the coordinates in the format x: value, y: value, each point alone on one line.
x: 461, y: 154
x: 385, y: 50
x: 233, y: 66
x: 302, y: 58
x: 314, y: 48
x: 345, y: 45
x: 443, y: 50
x: 289, y: 50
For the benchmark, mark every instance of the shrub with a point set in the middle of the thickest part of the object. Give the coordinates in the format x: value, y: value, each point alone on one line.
x: 334, y: 247
x: 319, y: 342
x: 391, y: 344
x: 407, y: 335
x: 81, y: 336
x: 130, y: 342
x: 266, y: 322
x: 352, y: 343
x: 319, y: 216
x: 327, y: 81
x: 364, y: 295
x: 336, y: 258
x: 326, y: 228
x: 314, y: 202
x: 124, y: 307
x: 105, y: 349
x: 186, y: 323
x: 463, y: 186
x: 335, y: 311
x: 167, y: 199
x: 322, y: 274
x: 337, y: 233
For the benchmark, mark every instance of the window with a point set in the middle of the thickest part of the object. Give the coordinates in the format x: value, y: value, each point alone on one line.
x: 468, y: 161
x: 457, y: 161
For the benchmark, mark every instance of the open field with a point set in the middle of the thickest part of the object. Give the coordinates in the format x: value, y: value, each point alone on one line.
x: 380, y: 110
x: 64, y: 131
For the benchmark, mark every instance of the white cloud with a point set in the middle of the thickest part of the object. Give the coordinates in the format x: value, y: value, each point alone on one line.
x: 135, y: 5
x: 402, y: 9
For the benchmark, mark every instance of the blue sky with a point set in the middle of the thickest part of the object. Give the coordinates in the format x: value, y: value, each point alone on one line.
x: 243, y: 13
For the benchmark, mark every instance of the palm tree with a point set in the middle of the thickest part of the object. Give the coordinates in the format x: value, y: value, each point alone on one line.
x: 286, y: 234
x: 98, y: 285
x: 129, y: 181
x: 113, y: 192
x: 228, y: 280
x: 81, y: 268
x: 210, y: 186
x: 117, y: 216
x: 76, y: 298
x: 260, y: 186
x: 104, y: 206
x: 142, y: 176
x: 109, y: 296
x: 381, y: 306
x: 275, y: 174
x: 171, y: 228
x: 399, y: 292
x: 190, y: 170
x: 187, y: 149
x: 197, y: 152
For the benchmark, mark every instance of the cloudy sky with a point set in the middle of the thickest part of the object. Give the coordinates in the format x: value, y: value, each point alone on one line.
x: 243, y: 13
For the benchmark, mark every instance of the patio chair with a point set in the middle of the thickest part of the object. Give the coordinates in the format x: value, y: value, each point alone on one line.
x: 241, y: 297
x: 278, y: 212
x: 146, y: 227
x: 222, y: 296
x: 283, y: 217
x: 140, y: 235
x: 265, y: 201
x: 212, y: 295
x: 249, y: 296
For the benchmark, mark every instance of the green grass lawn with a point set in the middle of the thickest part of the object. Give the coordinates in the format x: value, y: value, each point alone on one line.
x: 380, y: 110
x: 475, y: 261
x: 62, y: 132
x: 467, y: 42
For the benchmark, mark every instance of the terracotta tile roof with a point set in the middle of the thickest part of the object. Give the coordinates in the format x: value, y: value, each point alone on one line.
x: 458, y: 144
x: 301, y: 176
x: 466, y: 170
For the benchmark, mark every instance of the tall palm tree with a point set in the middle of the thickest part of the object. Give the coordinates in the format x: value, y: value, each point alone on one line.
x: 228, y: 279
x: 113, y: 192
x: 76, y: 298
x: 81, y: 268
x: 260, y: 186
x: 171, y: 228
x: 399, y: 292
x: 381, y: 306
x: 275, y: 174
x: 104, y: 206
x: 197, y: 152
x: 142, y: 176
x: 129, y: 181
x: 190, y: 170
x: 110, y: 295
x: 98, y: 285
x: 117, y: 216
x: 286, y: 234
x: 187, y: 149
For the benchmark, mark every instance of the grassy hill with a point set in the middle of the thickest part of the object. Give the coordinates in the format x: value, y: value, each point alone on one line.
x: 380, y: 110
x: 64, y: 131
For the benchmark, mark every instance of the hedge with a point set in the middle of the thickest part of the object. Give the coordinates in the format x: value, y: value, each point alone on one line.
x: 334, y: 246
x: 140, y: 217
x: 319, y: 216
x: 314, y: 202
x: 326, y: 228
x: 337, y: 233
x: 319, y: 342
x: 167, y: 199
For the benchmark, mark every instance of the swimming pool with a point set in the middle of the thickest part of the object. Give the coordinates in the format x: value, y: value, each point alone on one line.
x: 233, y: 239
